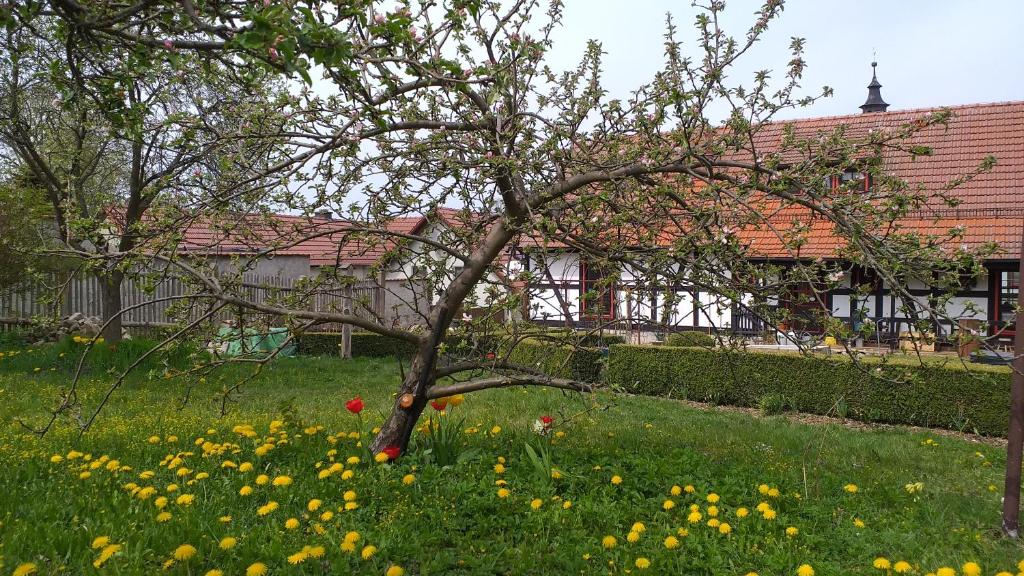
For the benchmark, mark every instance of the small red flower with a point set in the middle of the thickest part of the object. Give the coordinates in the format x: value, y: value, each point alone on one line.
x: 490, y: 355
x: 439, y: 404
x: 354, y: 405
x: 547, y: 420
x: 392, y: 452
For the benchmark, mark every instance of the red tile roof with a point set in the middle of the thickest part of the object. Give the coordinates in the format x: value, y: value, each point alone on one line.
x: 327, y: 242
x: 991, y: 204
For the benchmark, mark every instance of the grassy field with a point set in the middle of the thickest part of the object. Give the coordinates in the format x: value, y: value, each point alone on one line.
x: 785, y: 490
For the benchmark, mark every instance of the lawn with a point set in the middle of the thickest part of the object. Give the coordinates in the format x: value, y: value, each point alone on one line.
x: 791, y: 495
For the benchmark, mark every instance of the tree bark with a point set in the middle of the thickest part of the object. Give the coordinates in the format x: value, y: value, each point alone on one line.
x: 110, y: 305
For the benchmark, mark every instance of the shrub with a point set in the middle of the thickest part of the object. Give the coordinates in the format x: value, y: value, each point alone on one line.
x: 690, y: 338
x: 946, y: 396
x: 772, y: 404
x: 578, y: 363
x: 363, y: 344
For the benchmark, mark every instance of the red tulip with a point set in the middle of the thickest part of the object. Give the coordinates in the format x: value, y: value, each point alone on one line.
x: 392, y: 452
x: 354, y: 405
x: 439, y: 404
x: 547, y: 420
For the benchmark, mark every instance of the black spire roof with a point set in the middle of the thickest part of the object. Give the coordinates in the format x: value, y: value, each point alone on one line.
x: 874, y: 103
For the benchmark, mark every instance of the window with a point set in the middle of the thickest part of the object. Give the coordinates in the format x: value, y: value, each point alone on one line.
x: 600, y: 297
x: 847, y: 179
x: 1006, y: 301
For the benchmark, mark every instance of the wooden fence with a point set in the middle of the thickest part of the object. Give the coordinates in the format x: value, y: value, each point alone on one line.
x: 149, y: 304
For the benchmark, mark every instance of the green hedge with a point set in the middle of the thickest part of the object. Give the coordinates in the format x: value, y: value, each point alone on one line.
x: 690, y: 338
x: 560, y: 361
x: 928, y: 395
x: 363, y: 344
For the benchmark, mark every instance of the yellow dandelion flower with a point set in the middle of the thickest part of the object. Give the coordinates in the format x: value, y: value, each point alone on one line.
x: 689, y: 489
x: 256, y: 569
x: 901, y: 567
x: 724, y: 528
x: 633, y: 537
x: 792, y: 531
x: 608, y: 542
x: 99, y: 542
x: 163, y: 517
x: 742, y: 512
x: 408, y: 479
x: 945, y: 571
x: 224, y: 519
x: 298, y: 557
x: 245, y: 467
x: 713, y: 498
x: 347, y: 474
x: 227, y: 542
x: 267, y: 508
x: 858, y: 522
x: 349, y: 495
x: 291, y: 524
x: 348, y: 547
x: 566, y: 505
x: 351, y: 505
x: 328, y: 515
x: 616, y: 480
x: 682, y: 532
x: 536, y: 503
x: 214, y: 572
x: 56, y: 458
x: 671, y: 542
x: 880, y: 563
x: 314, y: 505
x: 315, y: 551
x: 352, y: 460
x: 714, y: 522
x: 185, y: 499
x: 105, y: 554
x: 676, y: 490
x: 642, y: 563
x: 503, y: 492
x: 971, y: 569
x: 184, y: 552
x: 805, y: 570
x: 499, y: 468
x: 495, y: 430
x: 694, y: 517
x: 262, y: 479
x: 638, y: 527
x: 368, y: 552
x: 712, y: 511
x: 24, y: 569
x: 395, y: 571
x: 668, y: 505
x: 352, y: 537
x: 773, y: 493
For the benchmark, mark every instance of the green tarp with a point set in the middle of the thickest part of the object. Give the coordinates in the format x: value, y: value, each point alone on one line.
x: 253, y: 341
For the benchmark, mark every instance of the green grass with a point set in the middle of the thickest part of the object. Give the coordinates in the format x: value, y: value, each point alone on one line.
x: 450, y: 520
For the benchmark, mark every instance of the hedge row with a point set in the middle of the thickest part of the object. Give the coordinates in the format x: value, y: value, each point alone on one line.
x: 931, y: 395
x: 560, y: 361
x: 363, y: 344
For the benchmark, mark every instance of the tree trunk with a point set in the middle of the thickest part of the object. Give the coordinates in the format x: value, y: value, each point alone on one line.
x: 110, y: 304
x: 398, y: 428
x: 1015, y: 433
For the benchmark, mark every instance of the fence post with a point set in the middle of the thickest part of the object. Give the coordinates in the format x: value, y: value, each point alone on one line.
x: 346, y: 328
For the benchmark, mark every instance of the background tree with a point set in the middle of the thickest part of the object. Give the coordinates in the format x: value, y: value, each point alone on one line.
x: 453, y: 104
x: 107, y: 132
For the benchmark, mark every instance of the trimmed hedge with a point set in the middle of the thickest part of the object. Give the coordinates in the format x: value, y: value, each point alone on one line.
x: 929, y: 395
x: 582, y: 364
x: 363, y: 344
x: 690, y: 338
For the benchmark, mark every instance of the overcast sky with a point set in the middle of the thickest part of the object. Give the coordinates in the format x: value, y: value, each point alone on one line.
x: 929, y: 52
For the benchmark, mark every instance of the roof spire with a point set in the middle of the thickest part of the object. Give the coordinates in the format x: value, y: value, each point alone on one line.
x: 874, y: 103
